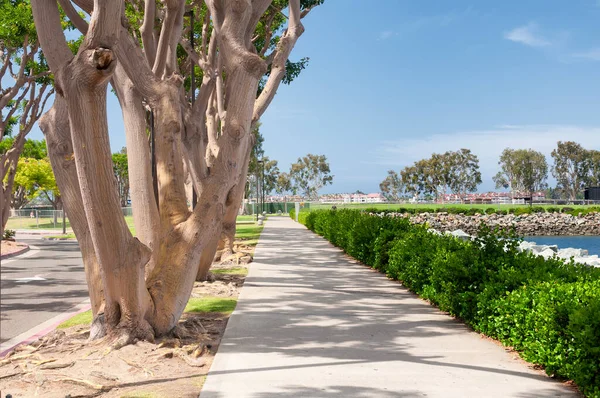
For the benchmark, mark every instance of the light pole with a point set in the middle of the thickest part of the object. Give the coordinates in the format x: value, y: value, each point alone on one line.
x: 258, y: 195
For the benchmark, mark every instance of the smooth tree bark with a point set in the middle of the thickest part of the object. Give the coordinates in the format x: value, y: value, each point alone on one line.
x: 140, y: 285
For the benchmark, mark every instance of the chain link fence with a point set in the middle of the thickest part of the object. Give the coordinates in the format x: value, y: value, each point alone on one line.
x: 47, y: 219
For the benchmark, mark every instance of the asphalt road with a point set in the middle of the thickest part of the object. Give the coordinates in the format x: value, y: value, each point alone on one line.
x: 40, y: 284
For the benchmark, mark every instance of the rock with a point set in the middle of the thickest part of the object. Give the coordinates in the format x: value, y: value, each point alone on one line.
x: 459, y: 233
x: 570, y: 252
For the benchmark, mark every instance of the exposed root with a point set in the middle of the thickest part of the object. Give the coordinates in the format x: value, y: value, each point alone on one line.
x: 57, y: 365
x: 86, y: 383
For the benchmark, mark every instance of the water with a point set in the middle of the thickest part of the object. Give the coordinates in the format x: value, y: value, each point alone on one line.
x: 590, y: 243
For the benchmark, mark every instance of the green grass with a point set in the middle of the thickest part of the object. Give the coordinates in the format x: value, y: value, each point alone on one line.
x: 83, y: 318
x: 230, y: 271
x: 248, y: 233
x: 211, y: 304
x: 203, y: 304
x: 65, y: 236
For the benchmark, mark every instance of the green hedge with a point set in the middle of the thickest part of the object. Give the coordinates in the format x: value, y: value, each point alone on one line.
x: 490, y: 210
x: 549, y: 310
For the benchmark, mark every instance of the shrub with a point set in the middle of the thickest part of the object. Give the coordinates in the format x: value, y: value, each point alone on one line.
x: 9, y: 234
x: 547, y: 309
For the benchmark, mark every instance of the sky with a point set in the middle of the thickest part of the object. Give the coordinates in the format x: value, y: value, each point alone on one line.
x: 393, y: 81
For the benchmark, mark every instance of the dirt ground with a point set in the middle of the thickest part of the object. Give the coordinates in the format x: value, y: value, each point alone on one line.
x: 8, y: 247
x: 64, y: 364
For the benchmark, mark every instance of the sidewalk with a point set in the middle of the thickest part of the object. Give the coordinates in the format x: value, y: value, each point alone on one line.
x: 312, y: 323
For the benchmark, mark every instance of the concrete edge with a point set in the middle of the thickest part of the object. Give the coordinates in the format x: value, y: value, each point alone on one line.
x: 14, y: 254
x: 43, y: 328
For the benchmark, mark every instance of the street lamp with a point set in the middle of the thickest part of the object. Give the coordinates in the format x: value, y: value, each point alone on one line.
x: 258, y: 181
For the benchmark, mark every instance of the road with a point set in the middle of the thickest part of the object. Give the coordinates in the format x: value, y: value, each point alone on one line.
x: 39, y: 285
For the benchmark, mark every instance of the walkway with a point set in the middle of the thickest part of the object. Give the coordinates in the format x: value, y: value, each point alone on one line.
x: 312, y: 323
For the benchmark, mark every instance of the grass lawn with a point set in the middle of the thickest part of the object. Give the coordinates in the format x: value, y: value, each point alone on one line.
x: 248, y: 233
x: 245, y: 230
x: 203, y: 304
x: 230, y: 271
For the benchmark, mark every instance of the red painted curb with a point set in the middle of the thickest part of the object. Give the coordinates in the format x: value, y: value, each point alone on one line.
x: 45, y: 331
x: 23, y: 250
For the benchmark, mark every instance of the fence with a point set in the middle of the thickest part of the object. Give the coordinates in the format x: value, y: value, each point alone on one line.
x: 48, y: 219
x: 271, y: 207
x: 36, y: 219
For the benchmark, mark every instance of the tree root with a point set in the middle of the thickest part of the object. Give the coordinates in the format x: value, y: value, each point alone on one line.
x: 86, y: 383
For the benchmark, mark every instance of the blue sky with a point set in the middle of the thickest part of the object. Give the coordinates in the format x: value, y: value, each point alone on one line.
x: 393, y: 82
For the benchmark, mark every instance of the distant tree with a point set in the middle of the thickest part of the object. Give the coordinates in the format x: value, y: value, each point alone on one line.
x: 256, y: 154
x: 593, y: 178
x: 464, y: 171
x: 25, y: 86
x: 391, y: 187
x: 34, y: 178
x: 267, y: 174
x: 309, y: 174
x: 571, y: 168
x: 284, y: 184
x: 120, y: 169
x: 522, y: 170
x: 411, y: 180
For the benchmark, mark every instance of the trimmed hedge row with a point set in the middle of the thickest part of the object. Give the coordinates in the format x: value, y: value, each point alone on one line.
x: 549, y: 310
x: 471, y: 211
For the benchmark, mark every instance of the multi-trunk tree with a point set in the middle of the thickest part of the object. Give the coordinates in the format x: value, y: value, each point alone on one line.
x: 522, y: 170
x: 454, y: 170
x: 309, y: 174
x: 571, y: 168
x: 24, y: 89
x: 139, y: 286
x: 391, y: 187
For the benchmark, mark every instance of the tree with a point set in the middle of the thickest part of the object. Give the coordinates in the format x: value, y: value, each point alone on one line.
x: 139, y: 286
x: 22, y: 101
x: 571, y: 167
x: 35, y: 178
x: 593, y: 178
x: 309, y: 174
x: 464, y: 171
x: 522, y: 170
x: 284, y: 183
x: 411, y: 179
x: 120, y: 169
x: 391, y: 187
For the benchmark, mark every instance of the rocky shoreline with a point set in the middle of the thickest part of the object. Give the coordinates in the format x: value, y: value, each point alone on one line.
x: 534, y: 224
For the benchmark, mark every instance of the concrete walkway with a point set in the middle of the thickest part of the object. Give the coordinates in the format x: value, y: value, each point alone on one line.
x: 312, y: 323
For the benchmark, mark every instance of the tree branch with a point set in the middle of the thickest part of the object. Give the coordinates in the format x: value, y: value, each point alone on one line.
x: 73, y: 16
x: 283, y: 50
x: 147, y: 30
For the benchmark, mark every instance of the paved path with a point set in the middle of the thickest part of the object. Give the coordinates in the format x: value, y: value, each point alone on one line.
x: 311, y: 323
x: 36, y: 286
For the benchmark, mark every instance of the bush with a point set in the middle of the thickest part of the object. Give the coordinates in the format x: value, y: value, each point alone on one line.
x: 9, y: 234
x: 547, y: 309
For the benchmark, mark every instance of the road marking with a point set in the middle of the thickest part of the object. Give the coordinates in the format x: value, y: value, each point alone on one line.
x: 30, y: 279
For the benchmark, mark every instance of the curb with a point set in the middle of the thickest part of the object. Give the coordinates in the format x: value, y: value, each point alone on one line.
x: 23, y: 250
x: 53, y: 239
x: 42, y: 329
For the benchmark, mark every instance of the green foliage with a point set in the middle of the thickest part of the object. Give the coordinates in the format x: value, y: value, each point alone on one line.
x: 36, y: 178
x: 309, y: 174
x: 549, y: 310
x: 9, y: 234
x: 121, y: 171
x: 523, y: 170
